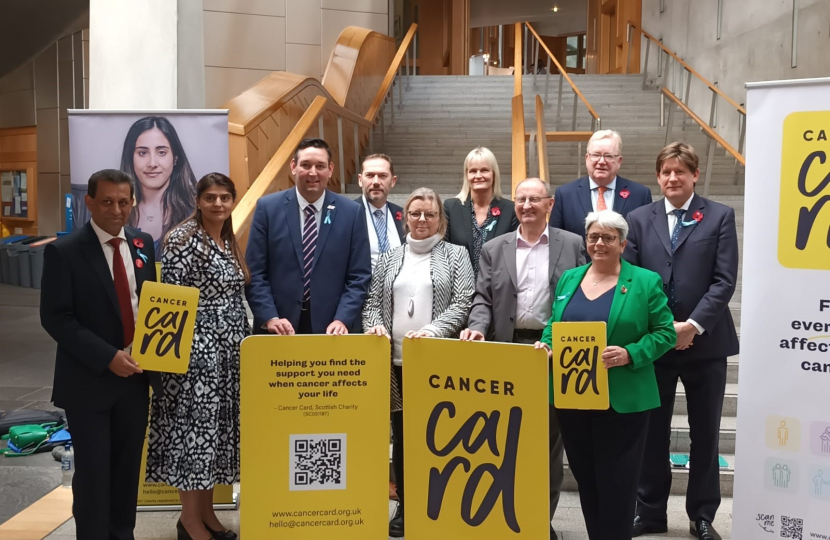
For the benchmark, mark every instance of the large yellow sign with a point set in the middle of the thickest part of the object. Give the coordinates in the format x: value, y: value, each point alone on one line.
x: 475, y: 445
x: 804, y: 212
x: 164, y: 327
x: 315, y: 437
x: 580, y: 380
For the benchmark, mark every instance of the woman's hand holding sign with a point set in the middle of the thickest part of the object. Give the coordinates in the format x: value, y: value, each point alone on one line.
x: 614, y: 356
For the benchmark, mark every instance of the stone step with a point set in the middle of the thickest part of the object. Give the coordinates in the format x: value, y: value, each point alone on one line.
x: 680, y: 441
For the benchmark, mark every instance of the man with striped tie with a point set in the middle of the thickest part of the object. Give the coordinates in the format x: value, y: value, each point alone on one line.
x: 308, y: 253
x: 383, y: 218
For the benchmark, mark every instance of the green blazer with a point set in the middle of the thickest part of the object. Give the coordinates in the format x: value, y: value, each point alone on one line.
x: 640, y: 321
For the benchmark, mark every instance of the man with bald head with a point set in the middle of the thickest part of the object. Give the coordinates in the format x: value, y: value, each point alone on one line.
x: 518, y: 273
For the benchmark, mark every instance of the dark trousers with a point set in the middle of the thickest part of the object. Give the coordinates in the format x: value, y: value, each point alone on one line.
x: 705, y: 384
x: 605, y: 450
x: 108, y: 445
x: 397, y: 440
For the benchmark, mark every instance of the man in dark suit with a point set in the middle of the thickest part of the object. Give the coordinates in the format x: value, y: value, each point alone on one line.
x: 692, y: 243
x: 89, y: 300
x: 602, y: 189
x: 384, y: 220
x: 516, y: 283
x: 308, y: 253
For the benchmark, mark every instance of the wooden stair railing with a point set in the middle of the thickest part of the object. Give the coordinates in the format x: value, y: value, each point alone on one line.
x: 519, y: 150
x: 677, y: 93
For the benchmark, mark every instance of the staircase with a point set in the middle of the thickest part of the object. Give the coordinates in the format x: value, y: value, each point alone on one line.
x: 442, y: 118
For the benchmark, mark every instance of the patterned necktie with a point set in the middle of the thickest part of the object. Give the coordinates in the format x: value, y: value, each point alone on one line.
x: 122, y: 290
x: 601, y: 199
x: 675, y: 234
x: 309, y: 245
x: 380, y: 228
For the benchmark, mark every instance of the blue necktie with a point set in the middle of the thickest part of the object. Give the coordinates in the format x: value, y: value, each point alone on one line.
x: 380, y: 228
x: 309, y: 245
x: 675, y: 234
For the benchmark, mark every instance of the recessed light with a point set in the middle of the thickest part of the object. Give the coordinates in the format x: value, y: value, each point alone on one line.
x: 555, y: 9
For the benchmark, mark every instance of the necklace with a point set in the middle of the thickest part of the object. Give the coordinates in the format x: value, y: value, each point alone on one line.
x: 595, y: 283
x: 149, y: 217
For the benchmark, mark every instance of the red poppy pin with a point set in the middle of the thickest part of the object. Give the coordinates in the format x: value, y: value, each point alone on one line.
x: 398, y: 216
x: 495, y: 211
x: 138, y: 243
x: 697, y: 216
x: 624, y: 193
x: 139, y: 264
x: 623, y: 289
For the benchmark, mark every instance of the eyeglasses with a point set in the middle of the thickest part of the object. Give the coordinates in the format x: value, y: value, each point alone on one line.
x: 606, y: 238
x: 429, y: 216
x: 531, y: 200
x: 606, y: 157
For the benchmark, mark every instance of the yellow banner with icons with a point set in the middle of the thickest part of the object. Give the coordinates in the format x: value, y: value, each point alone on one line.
x: 164, y: 327
x: 580, y: 380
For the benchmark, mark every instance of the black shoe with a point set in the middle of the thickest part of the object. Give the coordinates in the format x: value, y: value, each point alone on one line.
x: 642, y: 527
x: 181, y: 532
x: 396, y: 523
x: 703, y: 530
x: 553, y: 534
x: 221, y: 535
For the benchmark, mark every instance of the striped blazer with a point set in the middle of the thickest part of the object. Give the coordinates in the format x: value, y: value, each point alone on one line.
x: 453, y: 286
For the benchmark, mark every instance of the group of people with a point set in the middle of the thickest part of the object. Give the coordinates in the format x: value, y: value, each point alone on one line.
x: 477, y: 266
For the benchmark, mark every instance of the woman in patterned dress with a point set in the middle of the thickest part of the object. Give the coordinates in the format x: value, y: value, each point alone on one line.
x: 479, y: 212
x: 421, y: 289
x: 194, y: 424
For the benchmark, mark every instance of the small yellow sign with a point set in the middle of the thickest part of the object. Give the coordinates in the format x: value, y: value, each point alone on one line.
x: 804, y: 215
x: 164, y: 327
x: 315, y: 437
x: 475, y: 444
x: 580, y: 380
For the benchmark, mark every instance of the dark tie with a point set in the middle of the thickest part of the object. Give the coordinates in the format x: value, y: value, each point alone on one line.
x: 122, y: 290
x: 675, y: 234
x: 380, y: 228
x: 309, y: 245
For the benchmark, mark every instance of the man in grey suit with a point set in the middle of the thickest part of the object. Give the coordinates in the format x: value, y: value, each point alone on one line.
x: 518, y: 273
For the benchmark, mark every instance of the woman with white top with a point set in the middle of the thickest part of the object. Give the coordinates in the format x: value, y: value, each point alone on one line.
x: 421, y: 289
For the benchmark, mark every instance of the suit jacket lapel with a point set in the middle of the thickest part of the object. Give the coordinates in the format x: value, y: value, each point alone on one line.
x: 327, y: 215
x: 143, y: 273
x: 697, y: 204
x: 619, y: 202
x: 619, y: 297
x: 98, y: 262
x: 555, y: 249
x: 503, y: 219
x: 466, y: 220
x: 508, y: 249
x: 584, y: 193
x: 292, y: 216
x: 660, y: 222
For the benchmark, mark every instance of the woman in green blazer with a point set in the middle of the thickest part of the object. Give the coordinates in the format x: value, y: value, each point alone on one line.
x: 605, y: 448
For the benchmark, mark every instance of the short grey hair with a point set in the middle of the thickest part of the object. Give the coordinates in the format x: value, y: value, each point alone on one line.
x: 607, y: 219
x: 548, y: 189
x: 606, y: 134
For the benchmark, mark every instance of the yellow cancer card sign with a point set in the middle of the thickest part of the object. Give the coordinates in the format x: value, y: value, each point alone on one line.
x: 315, y: 437
x: 475, y: 445
x: 164, y: 327
x: 580, y: 380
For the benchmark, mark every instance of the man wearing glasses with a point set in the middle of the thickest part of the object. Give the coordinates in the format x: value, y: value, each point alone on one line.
x: 602, y: 189
x: 518, y: 273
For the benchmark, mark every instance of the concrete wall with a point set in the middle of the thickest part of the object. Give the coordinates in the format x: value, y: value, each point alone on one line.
x: 247, y: 39
x: 755, y: 45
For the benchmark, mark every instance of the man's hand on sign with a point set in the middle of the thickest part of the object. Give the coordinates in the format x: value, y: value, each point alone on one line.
x: 471, y: 335
x: 614, y: 356
x: 280, y: 327
x: 337, y: 328
x: 123, y: 365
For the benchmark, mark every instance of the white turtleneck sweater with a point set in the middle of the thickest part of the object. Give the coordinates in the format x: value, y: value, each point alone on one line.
x: 412, y: 292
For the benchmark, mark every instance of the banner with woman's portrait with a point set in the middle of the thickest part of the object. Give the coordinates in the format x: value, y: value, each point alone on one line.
x: 165, y: 153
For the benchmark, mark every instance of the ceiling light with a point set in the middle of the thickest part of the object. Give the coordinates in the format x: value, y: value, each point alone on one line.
x: 555, y: 9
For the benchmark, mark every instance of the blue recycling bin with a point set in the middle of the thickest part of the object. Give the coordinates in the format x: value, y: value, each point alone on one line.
x: 5, y: 263
x: 20, y: 269
x: 36, y: 250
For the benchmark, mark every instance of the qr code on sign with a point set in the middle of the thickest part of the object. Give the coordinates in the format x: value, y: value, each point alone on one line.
x: 792, y: 527
x: 317, y: 462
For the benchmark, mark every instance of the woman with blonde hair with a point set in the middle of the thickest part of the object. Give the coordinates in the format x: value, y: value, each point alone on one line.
x: 423, y: 288
x: 479, y: 212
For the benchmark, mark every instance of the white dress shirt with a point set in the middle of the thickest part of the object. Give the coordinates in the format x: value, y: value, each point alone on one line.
x: 533, y: 299
x: 608, y: 195
x: 318, y: 204
x: 109, y: 252
x: 391, y: 229
x: 672, y: 222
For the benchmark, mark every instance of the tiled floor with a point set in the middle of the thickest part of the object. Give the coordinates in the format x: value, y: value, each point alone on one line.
x: 26, y: 364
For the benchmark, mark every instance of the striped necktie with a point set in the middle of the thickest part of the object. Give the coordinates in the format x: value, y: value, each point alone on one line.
x: 309, y: 245
x: 675, y: 234
x: 380, y: 228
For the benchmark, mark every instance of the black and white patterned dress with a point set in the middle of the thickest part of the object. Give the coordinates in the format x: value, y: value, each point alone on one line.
x: 194, y: 425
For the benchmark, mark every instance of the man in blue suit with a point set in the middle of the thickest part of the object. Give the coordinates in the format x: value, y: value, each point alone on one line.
x: 692, y: 243
x: 308, y: 253
x: 602, y: 189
